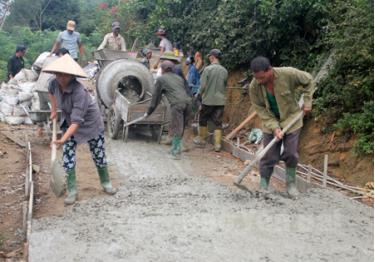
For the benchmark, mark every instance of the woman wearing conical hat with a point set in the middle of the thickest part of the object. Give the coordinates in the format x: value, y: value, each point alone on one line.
x: 81, y: 122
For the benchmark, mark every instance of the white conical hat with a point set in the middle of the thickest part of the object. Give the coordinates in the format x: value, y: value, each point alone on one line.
x: 66, y: 65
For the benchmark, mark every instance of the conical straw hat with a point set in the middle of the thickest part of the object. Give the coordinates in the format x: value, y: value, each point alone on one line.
x: 66, y: 65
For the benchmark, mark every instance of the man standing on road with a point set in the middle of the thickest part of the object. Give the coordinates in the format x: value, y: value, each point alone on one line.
x: 273, y: 94
x: 114, y: 41
x: 165, y: 45
x: 16, y: 62
x: 212, y: 90
x: 172, y: 86
x: 70, y: 40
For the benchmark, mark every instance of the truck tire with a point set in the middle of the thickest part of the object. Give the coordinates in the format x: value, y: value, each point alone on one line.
x: 112, y: 77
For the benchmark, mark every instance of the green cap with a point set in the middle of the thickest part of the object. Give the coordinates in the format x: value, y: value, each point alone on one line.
x: 169, y: 55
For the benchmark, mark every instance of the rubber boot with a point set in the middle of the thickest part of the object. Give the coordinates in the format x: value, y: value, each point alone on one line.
x: 71, y: 188
x: 217, y: 139
x: 264, y: 183
x: 200, y: 140
x: 176, y: 148
x: 104, y: 181
x: 291, y: 182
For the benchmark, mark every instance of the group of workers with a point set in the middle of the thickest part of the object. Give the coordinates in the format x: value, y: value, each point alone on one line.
x: 272, y: 91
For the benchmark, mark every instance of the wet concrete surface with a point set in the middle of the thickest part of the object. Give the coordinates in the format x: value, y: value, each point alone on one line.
x: 169, y: 210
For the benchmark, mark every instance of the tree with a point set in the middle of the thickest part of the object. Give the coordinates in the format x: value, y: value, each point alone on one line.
x: 42, y: 14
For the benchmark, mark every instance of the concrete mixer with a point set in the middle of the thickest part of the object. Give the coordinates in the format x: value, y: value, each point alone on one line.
x: 124, y: 88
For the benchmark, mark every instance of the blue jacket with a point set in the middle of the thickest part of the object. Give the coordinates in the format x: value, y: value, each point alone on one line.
x: 193, y: 79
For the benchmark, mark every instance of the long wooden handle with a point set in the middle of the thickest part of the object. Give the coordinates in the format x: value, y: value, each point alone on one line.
x: 260, y: 154
x: 54, y: 136
x: 135, y: 121
x: 242, y: 125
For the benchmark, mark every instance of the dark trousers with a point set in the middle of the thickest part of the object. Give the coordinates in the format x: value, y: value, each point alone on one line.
x: 273, y: 156
x: 179, y: 118
x: 97, y: 152
x: 213, y: 113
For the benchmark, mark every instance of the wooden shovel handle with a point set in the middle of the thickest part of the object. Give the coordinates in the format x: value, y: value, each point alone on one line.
x: 54, y: 136
x: 242, y: 125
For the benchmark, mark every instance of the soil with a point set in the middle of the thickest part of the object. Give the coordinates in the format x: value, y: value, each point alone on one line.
x: 12, y: 179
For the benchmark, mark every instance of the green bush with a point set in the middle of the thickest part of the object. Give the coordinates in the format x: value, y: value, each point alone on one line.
x: 345, y: 98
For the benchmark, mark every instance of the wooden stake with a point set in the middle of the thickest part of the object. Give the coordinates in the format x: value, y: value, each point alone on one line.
x: 309, y: 175
x: 325, y: 170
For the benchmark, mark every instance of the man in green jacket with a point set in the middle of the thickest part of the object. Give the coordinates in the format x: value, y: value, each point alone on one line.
x: 274, y: 95
x: 172, y: 86
x: 213, y: 85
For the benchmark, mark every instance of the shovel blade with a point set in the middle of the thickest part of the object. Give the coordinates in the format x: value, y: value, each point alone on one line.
x: 57, y: 179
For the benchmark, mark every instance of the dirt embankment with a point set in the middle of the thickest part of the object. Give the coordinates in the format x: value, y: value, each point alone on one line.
x: 314, y: 144
x: 12, y: 179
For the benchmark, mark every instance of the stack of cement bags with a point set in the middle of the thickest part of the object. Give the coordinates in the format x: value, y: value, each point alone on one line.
x: 19, y: 95
x: 15, y: 99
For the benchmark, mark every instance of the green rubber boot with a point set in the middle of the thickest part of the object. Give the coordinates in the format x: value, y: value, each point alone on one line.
x: 104, y: 181
x: 264, y: 183
x: 200, y: 140
x: 71, y: 188
x: 176, y: 148
x: 291, y: 187
x: 217, y: 139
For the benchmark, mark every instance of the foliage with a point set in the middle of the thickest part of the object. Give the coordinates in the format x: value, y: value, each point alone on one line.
x: 285, y: 31
x: 346, y: 96
x: 37, y: 42
x: 295, y: 33
x: 43, y: 14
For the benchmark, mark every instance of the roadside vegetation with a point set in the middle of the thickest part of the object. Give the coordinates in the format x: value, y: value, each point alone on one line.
x: 299, y: 33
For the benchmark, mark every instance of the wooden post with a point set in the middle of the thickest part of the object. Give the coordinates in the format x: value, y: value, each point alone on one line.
x: 325, y: 170
x: 309, y: 174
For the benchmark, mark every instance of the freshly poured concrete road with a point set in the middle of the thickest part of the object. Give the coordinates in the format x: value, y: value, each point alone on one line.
x: 170, y: 211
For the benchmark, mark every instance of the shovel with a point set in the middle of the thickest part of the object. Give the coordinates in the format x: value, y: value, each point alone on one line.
x: 261, y: 153
x: 135, y: 120
x: 57, y: 180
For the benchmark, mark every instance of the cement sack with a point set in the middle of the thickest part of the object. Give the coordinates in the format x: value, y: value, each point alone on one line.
x: 35, y: 104
x: 39, y: 62
x: 10, y: 100
x: 28, y: 121
x: 14, y: 120
x: 25, y: 96
x: 26, y: 103
x: 19, y: 111
x: 26, y: 75
x: 6, y: 109
x: 91, y: 69
x: 26, y: 87
x: 8, y: 91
